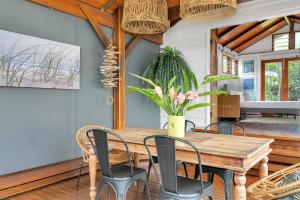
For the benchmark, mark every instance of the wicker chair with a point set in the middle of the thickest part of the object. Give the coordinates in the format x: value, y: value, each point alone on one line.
x: 270, y: 188
x: 116, y: 157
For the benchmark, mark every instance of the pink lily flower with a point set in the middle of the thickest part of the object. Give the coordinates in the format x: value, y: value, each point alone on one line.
x: 192, y: 95
x: 158, y: 91
x: 172, y: 93
x: 180, y: 98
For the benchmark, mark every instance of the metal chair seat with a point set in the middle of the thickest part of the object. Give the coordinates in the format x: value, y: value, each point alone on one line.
x: 187, y: 186
x: 124, y: 172
x: 187, y: 189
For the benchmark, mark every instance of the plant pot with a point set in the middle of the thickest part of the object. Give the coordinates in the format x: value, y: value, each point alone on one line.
x: 176, y: 126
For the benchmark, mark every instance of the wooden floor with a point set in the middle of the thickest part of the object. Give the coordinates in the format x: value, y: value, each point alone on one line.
x: 66, y: 190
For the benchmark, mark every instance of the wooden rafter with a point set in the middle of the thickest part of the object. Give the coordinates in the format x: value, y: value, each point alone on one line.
x: 173, y: 14
x: 295, y: 20
x: 235, y: 33
x: 261, y: 36
x: 112, y: 5
x: 72, y: 7
x: 132, y: 44
x: 287, y: 19
x: 93, y: 21
x: 94, y: 3
x: 263, y: 26
x: 224, y: 30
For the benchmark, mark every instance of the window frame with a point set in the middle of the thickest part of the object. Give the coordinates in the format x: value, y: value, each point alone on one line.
x: 229, y: 67
x: 284, y: 81
x: 273, y: 41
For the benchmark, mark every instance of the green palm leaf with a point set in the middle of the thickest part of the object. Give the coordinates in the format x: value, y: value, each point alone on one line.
x: 167, y: 64
x: 213, y: 79
x: 198, y: 105
x: 216, y: 92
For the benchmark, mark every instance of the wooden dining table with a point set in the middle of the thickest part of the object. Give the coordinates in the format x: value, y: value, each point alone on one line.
x: 236, y: 153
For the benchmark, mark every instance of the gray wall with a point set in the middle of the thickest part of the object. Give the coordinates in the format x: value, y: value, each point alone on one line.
x: 37, y: 126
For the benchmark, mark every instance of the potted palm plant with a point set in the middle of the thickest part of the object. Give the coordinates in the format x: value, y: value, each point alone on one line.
x: 166, y: 64
x: 177, y: 100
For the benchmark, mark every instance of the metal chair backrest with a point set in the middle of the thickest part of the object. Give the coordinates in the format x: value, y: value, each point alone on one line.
x: 98, y: 139
x: 189, y: 125
x: 166, y: 153
x: 83, y: 141
x: 226, y: 128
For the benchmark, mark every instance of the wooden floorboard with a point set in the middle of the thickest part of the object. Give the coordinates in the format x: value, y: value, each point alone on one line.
x: 65, y: 190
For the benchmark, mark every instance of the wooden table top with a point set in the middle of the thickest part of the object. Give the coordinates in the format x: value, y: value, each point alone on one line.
x: 214, y: 144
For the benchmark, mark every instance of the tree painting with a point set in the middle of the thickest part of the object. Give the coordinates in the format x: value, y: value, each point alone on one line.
x: 27, y: 61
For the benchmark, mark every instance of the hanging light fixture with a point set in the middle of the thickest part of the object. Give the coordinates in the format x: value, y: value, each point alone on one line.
x: 145, y: 16
x: 201, y: 10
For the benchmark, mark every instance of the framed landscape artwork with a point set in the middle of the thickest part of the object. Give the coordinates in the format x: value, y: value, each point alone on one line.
x: 27, y: 61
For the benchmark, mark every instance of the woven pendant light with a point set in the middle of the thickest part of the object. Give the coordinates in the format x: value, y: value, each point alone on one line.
x: 207, y: 9
x: 145, y: 16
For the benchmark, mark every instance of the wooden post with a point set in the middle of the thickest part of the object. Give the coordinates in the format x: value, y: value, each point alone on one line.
x: 214, y: 71
x: 291, y: 36
x: 120, y: 91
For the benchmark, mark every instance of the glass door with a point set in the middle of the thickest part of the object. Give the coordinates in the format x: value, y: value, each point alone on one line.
x: 293, y: 79
x: 272, y: 80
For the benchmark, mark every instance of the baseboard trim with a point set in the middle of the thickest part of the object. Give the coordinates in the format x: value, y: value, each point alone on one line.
x: 19, y: 182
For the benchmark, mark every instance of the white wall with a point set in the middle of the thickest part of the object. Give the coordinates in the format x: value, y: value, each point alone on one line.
x: 192, y: 38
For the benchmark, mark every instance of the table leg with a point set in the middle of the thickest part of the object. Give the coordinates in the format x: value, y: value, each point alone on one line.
x: 240, y: 192
x: 136, y: 160
x: 263, y: 168
x: 93, y: 173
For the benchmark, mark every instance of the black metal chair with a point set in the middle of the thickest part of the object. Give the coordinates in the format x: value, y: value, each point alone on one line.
x: 189, y: 125
x: 226, y: 128
x: 173, y: 186
x: 118, y: 177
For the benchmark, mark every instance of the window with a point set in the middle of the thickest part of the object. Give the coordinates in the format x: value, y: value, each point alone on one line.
x: 248, y: 67
x: 229, y: 65
x: 297, y: 40
x: 234, y: 67
x: 281, y: 80
x: 281, y: 42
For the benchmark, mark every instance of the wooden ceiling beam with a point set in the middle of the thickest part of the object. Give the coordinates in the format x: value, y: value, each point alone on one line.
x: 112, y: 5
x: 261, y: 36
x: 72, y: 7
x: 94, y: 3
x: 132, y: 44
x: 173, y: 14
x: 224, y: 30
x: 235, y: 33
x: 263, y: 26
x: 295, y: 20
x: 93, y: 21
